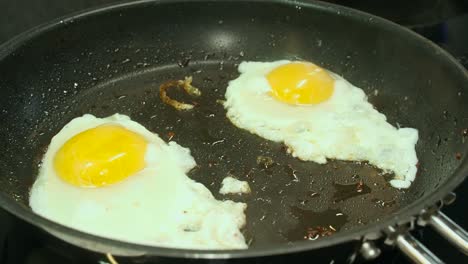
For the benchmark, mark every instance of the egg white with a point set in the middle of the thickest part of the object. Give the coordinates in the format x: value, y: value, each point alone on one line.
x: 345, y: 127
x: 159, y: 206
x: 231, y: 185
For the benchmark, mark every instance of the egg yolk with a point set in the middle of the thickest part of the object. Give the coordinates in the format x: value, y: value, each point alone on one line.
x: 301, y: 83
x: 100, y: 156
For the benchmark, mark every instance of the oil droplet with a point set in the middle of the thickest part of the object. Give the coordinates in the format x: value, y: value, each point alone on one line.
x: 347, y: 191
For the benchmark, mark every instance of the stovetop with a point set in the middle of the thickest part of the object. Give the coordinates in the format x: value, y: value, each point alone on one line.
x: 444, y: 22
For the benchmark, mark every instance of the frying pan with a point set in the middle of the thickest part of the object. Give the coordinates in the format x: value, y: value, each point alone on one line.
x: 113, y: 60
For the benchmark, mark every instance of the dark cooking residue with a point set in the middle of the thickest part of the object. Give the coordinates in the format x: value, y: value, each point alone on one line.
x: 313, y: 233
x: 186, y: 84
x: 313, y: 225
x: 265, y: 162
x: 347, y: 191
x: 170, y: 135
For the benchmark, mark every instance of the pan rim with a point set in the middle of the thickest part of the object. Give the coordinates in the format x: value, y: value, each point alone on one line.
x: 404, y: 214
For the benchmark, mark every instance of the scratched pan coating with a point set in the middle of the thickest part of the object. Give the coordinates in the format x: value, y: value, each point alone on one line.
x: 114, y: 60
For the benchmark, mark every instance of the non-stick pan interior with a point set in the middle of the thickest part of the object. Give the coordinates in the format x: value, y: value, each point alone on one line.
x: 114, y: 61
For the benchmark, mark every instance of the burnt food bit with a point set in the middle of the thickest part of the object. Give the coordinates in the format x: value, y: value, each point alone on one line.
x: 186, y: 84
x: 265, y: 162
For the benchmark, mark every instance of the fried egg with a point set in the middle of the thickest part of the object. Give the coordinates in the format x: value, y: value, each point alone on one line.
x: 318, y: 115
x: 113, y: 178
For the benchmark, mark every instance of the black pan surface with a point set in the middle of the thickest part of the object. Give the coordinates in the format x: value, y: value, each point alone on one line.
x: 113, y: 60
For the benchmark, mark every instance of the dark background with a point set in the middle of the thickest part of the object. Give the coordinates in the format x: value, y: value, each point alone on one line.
x: 444, y: 22
x: 19, y: 15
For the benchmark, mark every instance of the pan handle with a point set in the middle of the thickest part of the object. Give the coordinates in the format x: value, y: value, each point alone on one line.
x: 449, y: 230
x: 432, y: 216
x: 410, y: 246
x: 416, y: 251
